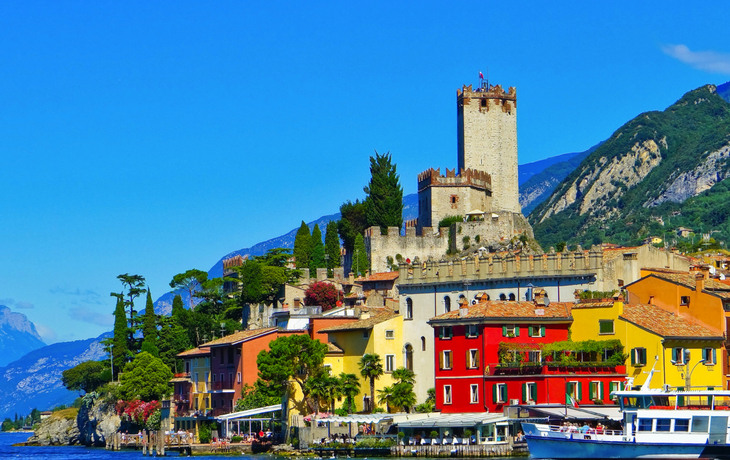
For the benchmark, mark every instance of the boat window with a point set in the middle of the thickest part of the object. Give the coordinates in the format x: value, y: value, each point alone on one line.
x: 700, y: 423
x: 663, y: 424
x: 645, y: 424
x: 628, y: 403
x: 661, y: 401
x: 681, y: 424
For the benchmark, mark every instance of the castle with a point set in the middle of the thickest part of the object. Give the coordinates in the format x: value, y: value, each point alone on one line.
x: 483, y: 189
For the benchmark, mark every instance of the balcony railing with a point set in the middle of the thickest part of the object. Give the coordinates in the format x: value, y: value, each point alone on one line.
x: 219, y: 386
x: 183, y: 375
x: 529, y: 368
x: 181, y: 397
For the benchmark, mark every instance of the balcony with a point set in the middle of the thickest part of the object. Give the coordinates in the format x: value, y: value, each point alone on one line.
x: 182, y: 375
x: 551, y: 368
x: 180, y: 398
x: 221, y: 387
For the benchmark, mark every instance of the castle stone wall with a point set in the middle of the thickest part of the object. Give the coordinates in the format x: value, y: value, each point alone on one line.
x: 487, y: 140
x: 497, y: 226
x: 410, y: 246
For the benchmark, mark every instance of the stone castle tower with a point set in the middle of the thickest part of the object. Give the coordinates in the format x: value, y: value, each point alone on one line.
x: 487, y: 140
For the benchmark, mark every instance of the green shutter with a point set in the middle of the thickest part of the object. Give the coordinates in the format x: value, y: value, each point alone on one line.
x: 633, y: 356
x: 591, y: 389
x: 601, y: 392
x: 504, y: 330
x: 533, y: 392
x: 542, y: 331
x: 675, y: 358
x: 517, y: 330
x: 494, y: 393
x: 714, y: 356
x: 680, y: 399
x: 524, y: 392
x: 504, y: 393
x: 441, y: 332
x: 579, y: 393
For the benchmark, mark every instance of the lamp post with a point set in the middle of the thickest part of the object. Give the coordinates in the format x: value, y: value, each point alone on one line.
x: 688, y: 379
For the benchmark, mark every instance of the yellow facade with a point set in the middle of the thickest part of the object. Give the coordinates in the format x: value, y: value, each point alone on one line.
x: 200, y: 376
x: 641, y: 342
x: 384, y: 339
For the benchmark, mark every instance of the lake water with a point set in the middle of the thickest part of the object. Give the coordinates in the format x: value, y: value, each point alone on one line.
x: 7, y: 451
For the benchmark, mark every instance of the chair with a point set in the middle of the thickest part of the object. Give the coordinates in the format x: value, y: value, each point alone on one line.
x: 425, y: 441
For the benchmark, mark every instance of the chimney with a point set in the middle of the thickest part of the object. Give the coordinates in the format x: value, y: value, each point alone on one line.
x: 539, y: 297
x: 651, y: 300
x: 705, y: 270
x: 463, y: 312
x: 297, y: 302
x: 699, y: 282
x: 352, y: 278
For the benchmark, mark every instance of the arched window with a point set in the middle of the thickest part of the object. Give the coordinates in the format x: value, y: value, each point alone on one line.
x: 502, y: 297
x: 423, y: 343
x: 409, y: 308
x: 511, y: 297
x: 409, y: 357
x: 447, y: 304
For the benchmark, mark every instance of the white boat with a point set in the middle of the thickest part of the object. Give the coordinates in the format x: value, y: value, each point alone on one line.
x: 657, y: 423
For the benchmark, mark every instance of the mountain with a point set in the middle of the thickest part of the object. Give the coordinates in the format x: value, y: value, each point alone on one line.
x: 724, y: 91
x: 34, y: 380
x: 528, y: 170
x: 541, y: 184
x: 18, y: 336
x: 647, y: 178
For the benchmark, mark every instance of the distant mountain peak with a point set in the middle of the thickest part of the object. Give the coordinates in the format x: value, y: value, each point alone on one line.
x: 18, y: 322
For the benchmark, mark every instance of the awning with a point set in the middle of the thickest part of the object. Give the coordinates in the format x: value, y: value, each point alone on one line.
x: 577, y: 413
x: 249, y: 413
x: 436, y: 419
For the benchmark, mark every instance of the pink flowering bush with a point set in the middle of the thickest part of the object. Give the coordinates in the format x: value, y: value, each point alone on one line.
x: 137, y: 411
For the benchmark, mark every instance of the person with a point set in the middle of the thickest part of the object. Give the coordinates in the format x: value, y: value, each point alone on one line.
x: 584, y: 428
x: 261, y: 434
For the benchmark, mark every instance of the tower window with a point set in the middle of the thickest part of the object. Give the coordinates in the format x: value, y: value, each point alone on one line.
x: 484, y: 102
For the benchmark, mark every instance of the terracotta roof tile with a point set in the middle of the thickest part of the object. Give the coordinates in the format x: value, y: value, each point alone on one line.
x: 193, y: 352
x: 239, y: 336
x: 362, y: 324
x: 383, y: 276
x: 510, y: 309
x: 593, y: 304
x: 332, y: 348
x: 662, y: 322
x: 688, y: 279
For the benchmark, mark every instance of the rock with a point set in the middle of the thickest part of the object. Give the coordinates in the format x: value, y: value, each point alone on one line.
x: 97, y: 421
x: 57, y: 430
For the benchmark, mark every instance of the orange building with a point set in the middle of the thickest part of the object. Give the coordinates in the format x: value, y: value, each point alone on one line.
x: 692, y: 295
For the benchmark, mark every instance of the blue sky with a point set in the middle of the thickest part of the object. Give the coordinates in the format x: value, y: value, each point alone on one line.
x: 155, y: 137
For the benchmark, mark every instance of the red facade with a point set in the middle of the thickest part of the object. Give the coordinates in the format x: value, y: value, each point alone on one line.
x: 484, y: 364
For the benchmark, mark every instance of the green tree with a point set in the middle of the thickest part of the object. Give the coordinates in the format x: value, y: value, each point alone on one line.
x: 403, y: 395
x: 190, y: 282
x: 360, y: 262
x: 177, y: 306
x: 386, y: 396
x: 251, y: 278
x: 350, y: 387
x: 119, y: 348
x: 384, y: 202
x: 302, y: 246
x: 149, y: 327
x: 322, y: 387
x: 145, y: 377
x: 86, y: 376
x: 323, y: 294
x: 134, y: 285
x: 352, y: 222
x: 316, y: 259
x: 253, y: 397
x: 371, y: 367
x: 429, y: 405
x: 331, y: 248
x: 295, y: 357
x: 173, y: 339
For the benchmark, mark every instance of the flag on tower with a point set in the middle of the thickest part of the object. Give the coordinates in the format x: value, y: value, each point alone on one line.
x: 481, y: 75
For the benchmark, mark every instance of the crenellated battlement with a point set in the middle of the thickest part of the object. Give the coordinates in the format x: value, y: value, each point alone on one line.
x: 466, y: 178
x: 492, y: 92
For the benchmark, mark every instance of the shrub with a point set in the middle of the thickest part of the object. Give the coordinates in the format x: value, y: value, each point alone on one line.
x: 434, y: 434
x: 205, y: 433
x: 236, y: 439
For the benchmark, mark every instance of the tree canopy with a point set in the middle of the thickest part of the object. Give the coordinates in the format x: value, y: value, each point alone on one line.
x: 331, y: 248
x: 86, y: 376
x: 145, y: 377
x: 323, y: 294
x: 360, y: 263
x: 302, y: 246
x: 316, y: 259
x: 384, y: 202
x: 352, y: 223
x: 371, y: 367
x: 189, y: 282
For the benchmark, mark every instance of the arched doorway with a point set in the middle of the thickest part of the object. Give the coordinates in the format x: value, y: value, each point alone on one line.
x: 447, y: 304
x: 408, y: 351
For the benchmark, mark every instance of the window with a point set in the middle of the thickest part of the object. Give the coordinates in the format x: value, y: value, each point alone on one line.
x: 390, y: 334
x: 512, y: 297
x: 223, y: 377
x: 700, y: 423
x: 223, y: 358
x: 207, y: 362
x: 230, y: 377
x: 614, y: 386
x: 238, y: 377
x: 483, y: 102
x: 573, y: 390
x: 447, y: 394
x: 423, y: 343
x: 681, y: 424
x: 499, y: 393
x: 389, y: 363
x: 409, y: 308
x: 474, y: 391
x: 663, y: 424
x: 605, y: 326
x: 447, y: 304
x: 472, y: 331
x: 709, y: 355
x: 638, y: 357
x: 445, y: 360
x: 645, y: 424
x: 536, y: 331
x: 472, y: 359
x: 187, y: 367
x: 230, y: 355
x: 510, y: 330
x: 446, y: 332
x: 678, y: 356
x: 529, y: 392
x: 533, y: 356
x: 595, y: 389
x: 213, y: 378
x: 684, y: 300
x: 207, y: 376
x: 365, y: 334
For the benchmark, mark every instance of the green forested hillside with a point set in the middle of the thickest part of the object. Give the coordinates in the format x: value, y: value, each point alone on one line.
x: 647, y: 172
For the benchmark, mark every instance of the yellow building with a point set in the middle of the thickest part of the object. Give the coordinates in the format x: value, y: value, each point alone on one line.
x: 651, y: 334
x: 191, y: 397
x: 380, y: 333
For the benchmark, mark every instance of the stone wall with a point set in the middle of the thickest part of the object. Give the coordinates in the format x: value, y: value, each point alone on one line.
x: 487, y: 139
x: 497, y: 226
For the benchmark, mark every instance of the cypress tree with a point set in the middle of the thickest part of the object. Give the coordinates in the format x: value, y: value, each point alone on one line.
x: 317, y: 258
x: 332, y: 247
x: 149, y: 328
x: 302, y: 246
x: 177, y: 306
x: 360, y: 257
x: 352, y: 223
x: 119, y: 341
x: 384, y: 203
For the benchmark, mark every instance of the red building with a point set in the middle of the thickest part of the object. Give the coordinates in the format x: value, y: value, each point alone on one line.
x: 490, y: 355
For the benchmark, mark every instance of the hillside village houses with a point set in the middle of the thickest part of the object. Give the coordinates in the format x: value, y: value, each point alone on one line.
x: 497, y: 327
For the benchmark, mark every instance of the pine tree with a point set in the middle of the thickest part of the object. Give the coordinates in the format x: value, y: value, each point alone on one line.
x: 149, y: 327
x: 177, y: 306
x: 352, y: 223
x: 384, y: 203
x: 302, y: 246
x: 317, y: 258
x: 332, y: 247
x: 119, y: 341
x: 359, y: 257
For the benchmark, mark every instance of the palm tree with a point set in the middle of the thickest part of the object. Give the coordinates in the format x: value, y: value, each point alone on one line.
x: 404, y: 375
x: 320, y: 386
x: 350, y: 387
x: 387, y: 397
x: 371, y: 367
x: 402, y: 391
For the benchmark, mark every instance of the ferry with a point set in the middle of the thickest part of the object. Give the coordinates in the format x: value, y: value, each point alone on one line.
x: 657, y: 423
